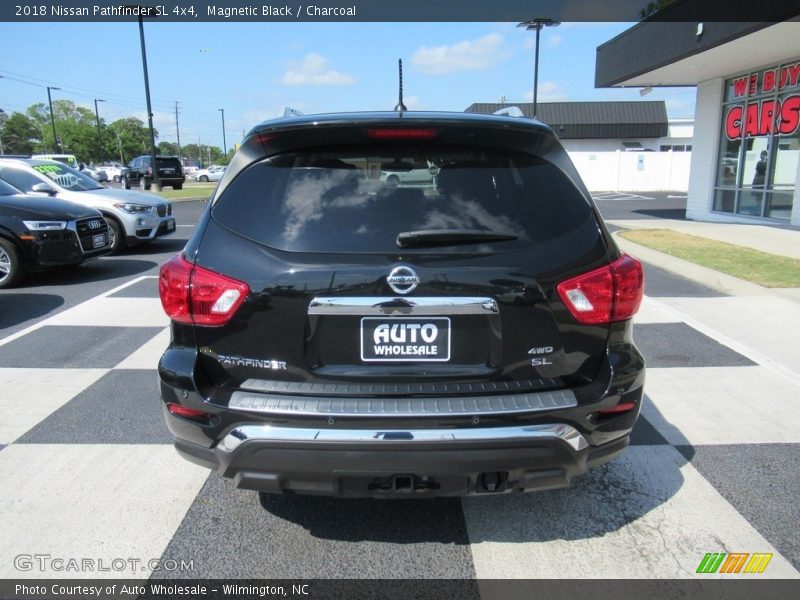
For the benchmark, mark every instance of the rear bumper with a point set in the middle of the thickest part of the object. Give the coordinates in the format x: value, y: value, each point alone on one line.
x: 398, y: 463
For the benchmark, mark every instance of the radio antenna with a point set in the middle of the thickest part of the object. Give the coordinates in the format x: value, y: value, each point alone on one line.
x: 400, y: 106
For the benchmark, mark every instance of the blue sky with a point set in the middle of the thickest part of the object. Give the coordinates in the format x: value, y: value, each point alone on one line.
x: 254, y: 70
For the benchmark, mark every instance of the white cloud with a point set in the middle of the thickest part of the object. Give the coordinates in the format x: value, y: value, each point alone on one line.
x: 529, y: 43
x: 469, y: 55
x: 554, y: 40
x: 315, y: 69
x: 548, y: 91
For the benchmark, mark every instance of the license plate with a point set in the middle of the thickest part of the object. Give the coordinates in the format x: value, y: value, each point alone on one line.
x: 171, y: 225
x: 99, y: 240
x: 405, y: 339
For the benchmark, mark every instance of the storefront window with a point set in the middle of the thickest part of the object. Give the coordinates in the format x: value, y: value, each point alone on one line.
x: 760, y: 148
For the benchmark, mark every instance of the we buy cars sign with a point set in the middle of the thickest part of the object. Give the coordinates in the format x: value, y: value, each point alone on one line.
x: 761, y: 117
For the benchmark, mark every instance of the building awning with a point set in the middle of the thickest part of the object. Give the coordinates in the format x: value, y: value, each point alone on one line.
x: 593, y: 120
x: 656, y: 53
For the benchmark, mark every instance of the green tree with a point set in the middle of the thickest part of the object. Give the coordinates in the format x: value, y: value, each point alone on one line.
x: 128, y: 138
x: 168, y: 148
x: 20, y: 135
x: 205, y: 155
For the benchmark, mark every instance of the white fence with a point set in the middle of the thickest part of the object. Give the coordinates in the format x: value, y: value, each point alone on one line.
x: 633, y: 171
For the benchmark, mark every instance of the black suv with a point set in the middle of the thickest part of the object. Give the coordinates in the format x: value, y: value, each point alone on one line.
x: 140, y: 172
x: 336, y: 334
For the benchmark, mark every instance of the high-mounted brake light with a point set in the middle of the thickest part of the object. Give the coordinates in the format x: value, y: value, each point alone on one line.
x: 194, y: 295
x: 263, y: 138
x: 605, y: 295
x: 402, y: 133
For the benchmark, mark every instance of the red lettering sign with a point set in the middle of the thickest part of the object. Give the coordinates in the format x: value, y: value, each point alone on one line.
x: 753, y: 83
x: 733, y: 123
x: 769, y: 80
x: 789, y: 75
x: 790, y: 115
x: 751, y: 120
x: 767, y: 117
x: 763, y: 118
x: 740, y: 87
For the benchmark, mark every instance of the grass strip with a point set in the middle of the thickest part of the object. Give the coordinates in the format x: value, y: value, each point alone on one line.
x: 768, y: 270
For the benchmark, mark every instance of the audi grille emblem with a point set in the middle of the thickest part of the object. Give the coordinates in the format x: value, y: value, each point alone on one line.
x: 402, y: 280
x: 95, y: 224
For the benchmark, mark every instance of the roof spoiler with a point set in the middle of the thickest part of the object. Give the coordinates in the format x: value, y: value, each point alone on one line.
x: 509, y: 111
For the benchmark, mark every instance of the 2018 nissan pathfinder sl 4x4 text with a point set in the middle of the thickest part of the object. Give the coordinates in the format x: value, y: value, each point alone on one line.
x: 465, y: 333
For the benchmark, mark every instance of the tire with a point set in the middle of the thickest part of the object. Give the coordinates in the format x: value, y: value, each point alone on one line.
x: 203, y: 179
x: 116, y: 178
x: 393, y: 180
x: 123, y: 181
x: 11, y: 269
x: 116, y: 236
x: 177, y: 186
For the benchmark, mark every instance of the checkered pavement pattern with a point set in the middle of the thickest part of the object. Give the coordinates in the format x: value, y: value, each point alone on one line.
x: 87, y: 470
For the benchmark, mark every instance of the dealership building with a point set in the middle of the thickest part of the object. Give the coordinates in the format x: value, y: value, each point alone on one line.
x: 745, y: 163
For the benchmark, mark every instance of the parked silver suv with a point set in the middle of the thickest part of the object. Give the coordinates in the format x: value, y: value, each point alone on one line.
x: 133, y: 217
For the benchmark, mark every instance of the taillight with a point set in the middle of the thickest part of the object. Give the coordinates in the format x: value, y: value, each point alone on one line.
x: 605, y: 295
x: 619, y: 408
x: 402, y: 133
x: 192, y: 294
x: 188, y: 413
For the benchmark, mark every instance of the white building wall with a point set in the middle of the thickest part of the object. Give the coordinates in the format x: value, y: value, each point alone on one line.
x: 633, y: 171
x: 608, y: 145
x: 707, y: 123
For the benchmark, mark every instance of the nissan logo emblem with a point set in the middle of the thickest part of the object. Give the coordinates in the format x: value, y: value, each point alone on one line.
x: 402, y: 280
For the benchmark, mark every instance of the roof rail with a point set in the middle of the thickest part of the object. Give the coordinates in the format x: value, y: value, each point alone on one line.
x: 292, y: 112
x: 509, y: 111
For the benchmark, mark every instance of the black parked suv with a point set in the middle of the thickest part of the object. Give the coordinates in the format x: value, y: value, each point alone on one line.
x: 140, y: 172
x: 39, y: 233
x: 336, y: 334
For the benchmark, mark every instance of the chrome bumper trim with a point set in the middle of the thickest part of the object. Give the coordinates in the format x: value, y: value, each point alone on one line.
x: 525, y: 402
x: 269, y: 433
x: 388, y: 305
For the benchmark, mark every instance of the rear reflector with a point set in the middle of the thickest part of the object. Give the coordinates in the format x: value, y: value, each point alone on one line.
x: 605, y: 295
x: 397, y: 133
x: 189, y: 413
x: 192, y: 294
x: 619, y: 408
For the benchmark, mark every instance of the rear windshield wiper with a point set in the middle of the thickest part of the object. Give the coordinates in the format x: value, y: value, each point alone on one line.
x: 449, y: 237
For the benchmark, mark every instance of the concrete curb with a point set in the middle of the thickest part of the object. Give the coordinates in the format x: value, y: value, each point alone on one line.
x: 727, y: 284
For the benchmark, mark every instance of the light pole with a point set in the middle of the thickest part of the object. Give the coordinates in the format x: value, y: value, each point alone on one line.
x: 156, y: 184
x: 52, y: 118
x: 99, y: 132
x: 224, y: 143
x: 537, y: 24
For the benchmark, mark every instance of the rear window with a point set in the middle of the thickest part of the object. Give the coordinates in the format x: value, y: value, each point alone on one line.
x: 168, y: 162
x: 360, y: 200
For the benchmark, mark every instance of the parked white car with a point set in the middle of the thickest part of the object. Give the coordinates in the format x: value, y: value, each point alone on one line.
x: 212, y: 173
x: 95, y: 172
x: 113, y: 171
x: 133, y: 217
